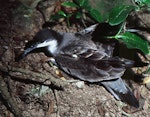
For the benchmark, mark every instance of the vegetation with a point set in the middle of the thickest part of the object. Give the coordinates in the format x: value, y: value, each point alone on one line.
x: 117, y: 16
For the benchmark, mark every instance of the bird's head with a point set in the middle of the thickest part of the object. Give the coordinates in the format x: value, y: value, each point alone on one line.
x: 45, y: 40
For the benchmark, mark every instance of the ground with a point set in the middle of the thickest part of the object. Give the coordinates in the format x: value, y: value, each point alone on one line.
x: 34, y: 88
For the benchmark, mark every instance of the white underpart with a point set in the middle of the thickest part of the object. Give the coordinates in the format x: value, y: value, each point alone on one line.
x: 52, y: 45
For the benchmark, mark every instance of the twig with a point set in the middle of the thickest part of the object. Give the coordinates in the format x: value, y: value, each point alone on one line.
x: 33, y: 76
x: 25, y: 75
x: 56, y: 98
x: 9, y: 101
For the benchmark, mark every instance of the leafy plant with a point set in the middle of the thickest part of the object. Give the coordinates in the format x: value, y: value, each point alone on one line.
x: 116, y: 17
x: 83, y: 10
x: 134, y: 41
x: 143, y: 3
x: 119, y: 14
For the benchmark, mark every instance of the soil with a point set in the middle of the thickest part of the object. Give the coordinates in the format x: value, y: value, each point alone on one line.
x: 32, y: 97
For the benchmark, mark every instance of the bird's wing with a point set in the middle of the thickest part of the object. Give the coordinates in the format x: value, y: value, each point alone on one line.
x: 107, y: 48
x: 88, y: 30
x: 101, y: 29
x: 96, y: 67
x: 92, y: 66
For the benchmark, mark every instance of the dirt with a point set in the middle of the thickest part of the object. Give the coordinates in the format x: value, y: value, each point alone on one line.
x: 18, y: 25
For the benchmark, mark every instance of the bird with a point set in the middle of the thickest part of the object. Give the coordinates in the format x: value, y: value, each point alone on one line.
x: 79, y: 56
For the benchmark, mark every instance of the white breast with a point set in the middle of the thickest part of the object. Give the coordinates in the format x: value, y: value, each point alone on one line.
x: 52, y: 47
x: 51, y: 44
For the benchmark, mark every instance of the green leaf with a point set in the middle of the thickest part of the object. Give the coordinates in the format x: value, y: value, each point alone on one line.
x: 148, y: 71
x: 56, y: 17
x: 78, y: 15
x: 96, y: 15
x: 82, y: 3
x: 62, y: 13
x: 119, y: 14
x: 146, y: 1
x: 69, y: 4
x: 134, y: 41
x: 143, y: 1
x: 69, y: 15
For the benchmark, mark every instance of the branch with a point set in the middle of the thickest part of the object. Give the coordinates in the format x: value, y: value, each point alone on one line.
x: 30, y: 75
x: 8, y: 99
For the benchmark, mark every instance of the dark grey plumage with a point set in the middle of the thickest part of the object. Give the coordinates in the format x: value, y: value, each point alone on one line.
x: 77, y: 55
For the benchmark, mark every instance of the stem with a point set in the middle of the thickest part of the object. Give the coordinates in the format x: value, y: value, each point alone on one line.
x: 120, y: 29
x: 117, y: 36
x: 113, y: 37
x: 68, y: 23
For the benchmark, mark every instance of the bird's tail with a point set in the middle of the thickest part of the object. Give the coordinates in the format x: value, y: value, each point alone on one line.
x: 120, y: 62
x: 120, y: 91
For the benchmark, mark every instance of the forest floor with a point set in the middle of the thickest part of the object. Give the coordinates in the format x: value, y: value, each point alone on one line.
x: 25, y: 86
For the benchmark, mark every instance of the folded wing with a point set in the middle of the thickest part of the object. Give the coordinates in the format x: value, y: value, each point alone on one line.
x: 95, y: 66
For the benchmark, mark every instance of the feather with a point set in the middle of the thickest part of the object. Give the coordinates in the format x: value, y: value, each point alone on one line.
x: 120, y: 91
x: 79, y: 56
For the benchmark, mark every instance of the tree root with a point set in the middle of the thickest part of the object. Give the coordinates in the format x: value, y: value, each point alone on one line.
x: 10, y: 103
x: 24, y: 74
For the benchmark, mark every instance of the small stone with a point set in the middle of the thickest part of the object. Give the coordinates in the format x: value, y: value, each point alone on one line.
x: 80, y: 84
